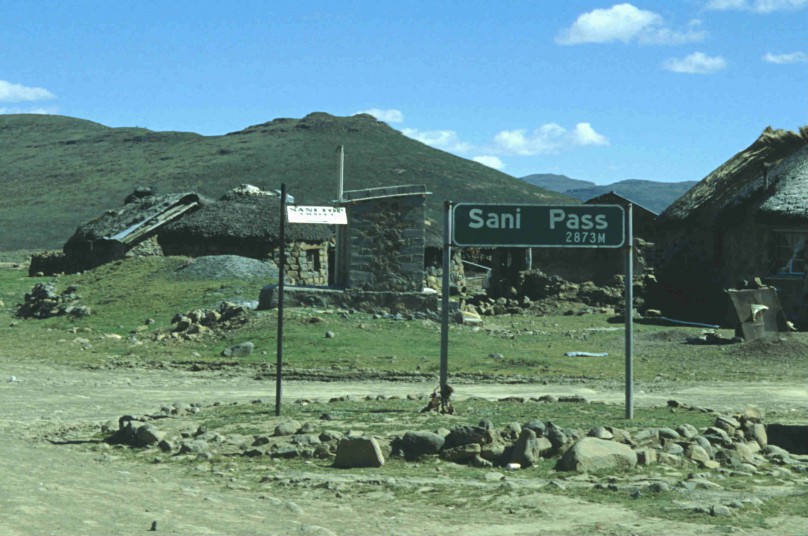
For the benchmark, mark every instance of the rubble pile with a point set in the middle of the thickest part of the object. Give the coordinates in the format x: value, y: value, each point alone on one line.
x: 201, y: 322
x: 44, y: 302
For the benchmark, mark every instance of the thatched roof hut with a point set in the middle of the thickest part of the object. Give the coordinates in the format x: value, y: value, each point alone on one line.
x: 747, y: 219
x: 117, y: 232
x: 237, y: 224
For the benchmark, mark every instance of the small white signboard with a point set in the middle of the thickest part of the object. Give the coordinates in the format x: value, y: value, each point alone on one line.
x: 309, y: 214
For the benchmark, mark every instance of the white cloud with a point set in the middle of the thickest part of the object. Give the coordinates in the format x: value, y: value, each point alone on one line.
x: 584, y: 134
x: 448, y: 140
x: 547, y: 139
x: 696, y: 63
x: 794, y: 57
x: 18, y: 93
x: 490, y: 161
x: 626, y: 23
x: 388, y: 116
x: 757, y: 6
x: 40, y: 111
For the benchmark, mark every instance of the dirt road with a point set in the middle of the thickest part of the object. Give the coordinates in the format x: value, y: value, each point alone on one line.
x: 59, y: 489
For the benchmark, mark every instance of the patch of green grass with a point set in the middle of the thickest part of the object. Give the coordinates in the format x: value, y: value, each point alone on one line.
x: 524, y: 348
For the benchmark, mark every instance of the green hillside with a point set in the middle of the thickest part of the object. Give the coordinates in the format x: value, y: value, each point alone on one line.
x: 57, y: 172
x: 653, y: 195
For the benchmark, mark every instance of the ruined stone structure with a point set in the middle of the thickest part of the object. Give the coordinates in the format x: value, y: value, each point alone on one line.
x: 382, y: 247
x: 746, y: 219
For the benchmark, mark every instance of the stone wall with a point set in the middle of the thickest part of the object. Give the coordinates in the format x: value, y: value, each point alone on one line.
x: 306, y: 264
x: 385, y: 239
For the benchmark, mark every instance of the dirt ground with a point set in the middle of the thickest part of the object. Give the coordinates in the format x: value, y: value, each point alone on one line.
x: 61, y: 489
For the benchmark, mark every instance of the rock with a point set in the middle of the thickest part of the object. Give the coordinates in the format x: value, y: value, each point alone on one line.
x: 358, y: 452
x: 620, y: 435
x: 147, y: 434
x: 688, y: 431
x: 511, y: 431
x: 482, y: 463
x: 592, y: 454
x: 286, y: 428
x: 659, y: 487
x: 753, y: 413
x: 646, y: 456
x: 705, y: 444
x: 417, y: 444
x: 600, y: 432
x: 284, y: 453
x: 668, y: 433
x: 462, y: 453
x: 717, y: 435
x: 537, y: 426
x: 728, y: 424
x: 673, y: 448
x: 697, y: 453
x: 646, y: 436
x: 757, y: 431
x: 239, y: 350
x: 719, y: 510
x: 529, y: 449
x: 462, y: 435
x: 330, y: 334
x: 194, y: 446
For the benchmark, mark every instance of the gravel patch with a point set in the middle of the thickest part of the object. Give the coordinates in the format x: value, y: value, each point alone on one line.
x: 220, y: 267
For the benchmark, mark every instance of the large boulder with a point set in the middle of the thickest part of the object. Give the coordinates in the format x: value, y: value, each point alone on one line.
x: 417, y: 444
x: 593, y: 454
x: 529, y: 449
x: 359, y: 452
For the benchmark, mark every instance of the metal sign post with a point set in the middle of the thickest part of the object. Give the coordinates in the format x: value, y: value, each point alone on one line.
x: 444, y: 331
x: 629, y: 325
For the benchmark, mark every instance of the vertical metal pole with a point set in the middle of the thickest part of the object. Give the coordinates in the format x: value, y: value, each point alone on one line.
x: 339, y: 253
x: 341, y: 160
x: 444, y: 325
x: 629, y: 327
x: 281, y: 276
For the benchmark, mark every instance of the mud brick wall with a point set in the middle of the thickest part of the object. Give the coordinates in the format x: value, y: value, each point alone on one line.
x: 386, y: 244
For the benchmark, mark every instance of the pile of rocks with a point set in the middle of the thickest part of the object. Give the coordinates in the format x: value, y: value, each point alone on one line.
x: 44, y: 302
x: 736, y: 443
x: 200, y: 322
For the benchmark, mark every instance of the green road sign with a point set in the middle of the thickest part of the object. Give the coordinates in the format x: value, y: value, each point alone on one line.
x: 561, y: 226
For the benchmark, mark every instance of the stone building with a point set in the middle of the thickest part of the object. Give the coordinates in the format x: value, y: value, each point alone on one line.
x: 246, y: 222
x: 127, y: 231
x: 747, y: 219
x: 382, y: 246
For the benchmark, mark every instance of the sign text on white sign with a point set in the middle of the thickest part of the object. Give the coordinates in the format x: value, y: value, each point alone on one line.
x: 309, y: 214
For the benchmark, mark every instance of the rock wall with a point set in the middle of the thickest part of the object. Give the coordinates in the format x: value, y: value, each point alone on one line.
x: 385, y: 244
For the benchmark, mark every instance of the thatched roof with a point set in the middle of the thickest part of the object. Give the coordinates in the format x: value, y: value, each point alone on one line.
x: 242, y: 218
x: 126, y: 223
x: 739, y: 184
x: 790, y: 198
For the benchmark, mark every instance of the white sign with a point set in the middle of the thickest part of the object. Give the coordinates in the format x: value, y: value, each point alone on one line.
x: 308, y: 214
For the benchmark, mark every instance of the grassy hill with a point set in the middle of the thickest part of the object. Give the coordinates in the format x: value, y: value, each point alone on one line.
x: 653, y: 195
x: 57, y: 172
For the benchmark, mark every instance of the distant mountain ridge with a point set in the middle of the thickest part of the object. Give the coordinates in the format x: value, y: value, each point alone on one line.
x: 58, y: 172
x: 656, y: 196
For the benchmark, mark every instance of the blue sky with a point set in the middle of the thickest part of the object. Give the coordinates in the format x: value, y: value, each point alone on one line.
x: 600, y: 91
